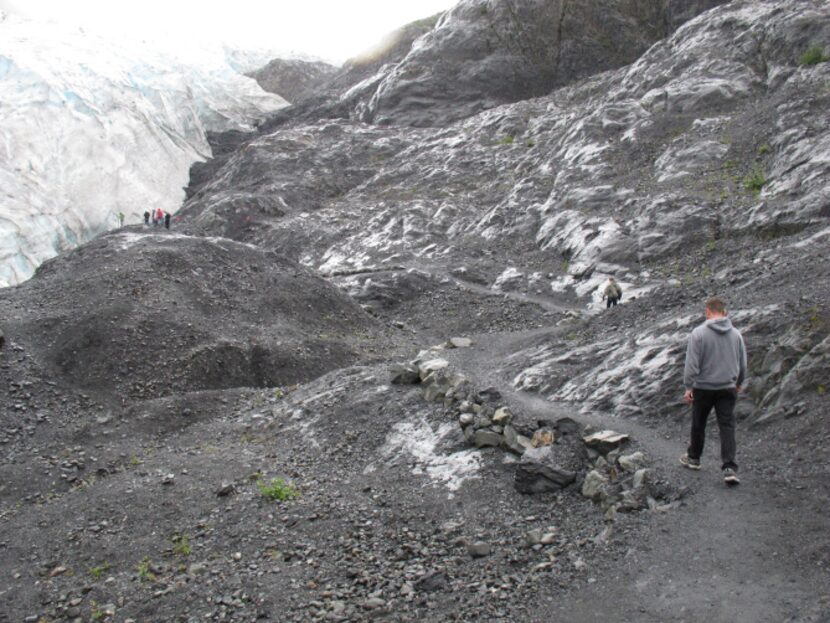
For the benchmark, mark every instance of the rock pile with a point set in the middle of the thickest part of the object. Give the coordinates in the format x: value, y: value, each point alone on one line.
x: 622, y: 482
x: 554, y: 455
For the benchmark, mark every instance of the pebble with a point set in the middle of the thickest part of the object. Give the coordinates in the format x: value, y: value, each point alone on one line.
x: 479, y: 549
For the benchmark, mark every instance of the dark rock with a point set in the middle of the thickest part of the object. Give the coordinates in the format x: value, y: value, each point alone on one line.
x: 225, y: 489
x: 433, y: 581
x: 538, y: 472
x: 568, y: 426
x: 484, y: 437
x: 479, y: 549
x: 488, y: 395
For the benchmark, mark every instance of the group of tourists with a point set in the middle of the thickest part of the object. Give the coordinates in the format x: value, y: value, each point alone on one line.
x: 158, y: 217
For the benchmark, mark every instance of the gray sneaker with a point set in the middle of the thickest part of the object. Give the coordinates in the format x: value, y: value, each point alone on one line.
x: 730, y: 476
x: 685, y: 461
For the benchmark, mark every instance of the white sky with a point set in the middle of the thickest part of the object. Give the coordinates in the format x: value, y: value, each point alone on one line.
x: 330, y: 29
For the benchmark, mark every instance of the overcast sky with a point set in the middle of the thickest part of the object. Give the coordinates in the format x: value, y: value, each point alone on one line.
x: 331, y: 29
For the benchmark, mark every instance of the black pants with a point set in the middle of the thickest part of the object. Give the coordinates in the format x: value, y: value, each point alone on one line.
x: 723, y: 400
x: 611, y: 302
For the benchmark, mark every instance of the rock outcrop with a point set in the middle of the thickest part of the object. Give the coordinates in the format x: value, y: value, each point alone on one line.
x: 293, y: 79
x: 484, y: 53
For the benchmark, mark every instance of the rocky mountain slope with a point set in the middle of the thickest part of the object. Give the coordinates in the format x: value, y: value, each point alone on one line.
x: 296, y: 324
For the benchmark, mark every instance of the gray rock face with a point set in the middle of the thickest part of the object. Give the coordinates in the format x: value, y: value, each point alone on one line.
x: 293, y: 79
x: 484, y: 53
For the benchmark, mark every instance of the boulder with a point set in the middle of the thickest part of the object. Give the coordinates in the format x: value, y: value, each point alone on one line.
x: 538, y: 472
x: 502, y: 416
x: 632, y: 462
x: 425, y: 368
x: 567, y: 426
x: 441, y: 383
x: 404, y: 374
x: 641, y: 478
x: 595, y: 486
x: 479, y: 549
x: 483, y: 437
x: 459, y: 342
x: 542, y: 437
x: 605, y: 441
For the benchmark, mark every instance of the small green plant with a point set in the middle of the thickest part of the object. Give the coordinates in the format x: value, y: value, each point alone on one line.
x: 135, y: 461
x: 763, y: 149
x: 530, y: 142
x: 507, y: 140
x: 755, y: 181
x: 814, y: 319
x: 820, y: 389
x: 98, y: 572
x: 144, y: 573
x: 181, y: 544
x: 813, y: 56
x: 277, y: 489
x: 95, y: 613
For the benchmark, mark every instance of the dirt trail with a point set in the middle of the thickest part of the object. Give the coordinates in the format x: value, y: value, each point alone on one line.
x: 730, y: 554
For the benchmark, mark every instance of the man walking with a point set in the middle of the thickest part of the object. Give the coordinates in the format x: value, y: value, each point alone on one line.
x: 713, y: 377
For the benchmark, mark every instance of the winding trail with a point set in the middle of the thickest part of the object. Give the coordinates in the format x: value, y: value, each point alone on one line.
x: 729, y: 554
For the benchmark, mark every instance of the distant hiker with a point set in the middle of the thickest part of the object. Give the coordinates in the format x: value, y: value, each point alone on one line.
x: 612, y: 292
x: 713, y: 377
x: 146, y: 218
x: 121, y: 219
x: 159, y: 216
x: 167, y: 220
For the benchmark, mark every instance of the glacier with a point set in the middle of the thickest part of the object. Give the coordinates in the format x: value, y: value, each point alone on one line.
x: 92, y: 126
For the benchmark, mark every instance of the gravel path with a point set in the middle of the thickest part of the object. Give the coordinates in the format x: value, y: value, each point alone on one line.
x: 736, y: 554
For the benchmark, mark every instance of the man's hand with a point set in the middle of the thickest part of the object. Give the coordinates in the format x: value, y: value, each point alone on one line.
x: 739, y: 389
x: 688, y: 396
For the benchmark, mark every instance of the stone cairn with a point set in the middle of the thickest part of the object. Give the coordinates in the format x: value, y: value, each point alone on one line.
x: 551, y: 455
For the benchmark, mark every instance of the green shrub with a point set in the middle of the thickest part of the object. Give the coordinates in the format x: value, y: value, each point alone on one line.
x: 98, y: 572
x: 181, y: 545
x: 813, y: 56
x: 755, y: 180
x: 507, y: 140
x: 277, y: 489
x: 144, y: 573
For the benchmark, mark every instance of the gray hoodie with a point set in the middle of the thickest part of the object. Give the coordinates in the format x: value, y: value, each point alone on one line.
x: 715, y: 357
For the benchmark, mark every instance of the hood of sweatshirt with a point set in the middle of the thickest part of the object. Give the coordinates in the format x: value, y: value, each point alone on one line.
x: 720, y: 325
